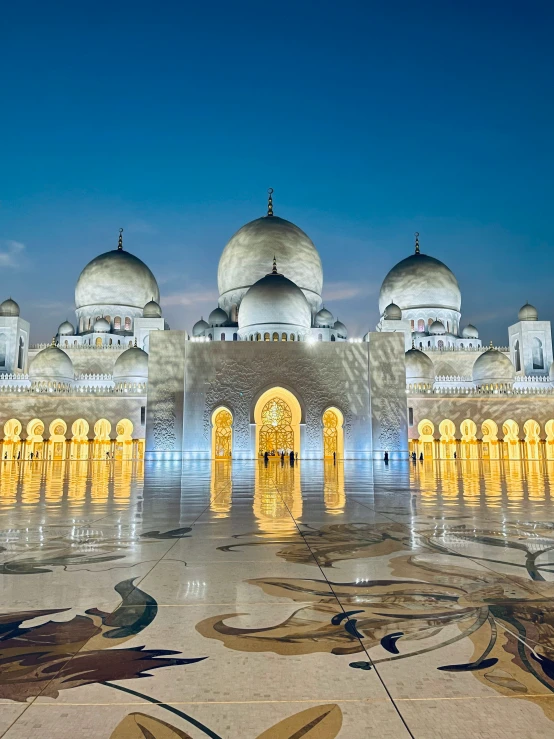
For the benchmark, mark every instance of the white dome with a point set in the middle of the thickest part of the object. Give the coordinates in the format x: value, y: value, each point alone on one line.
x: 51, y: 364
x: 470, y: 332
x: 9, y: 308
x: 131, y: 366
x: 324, y: 319
x: 218, y: 317
x: 275, y: 300
x: 152, y: 310
x: 420, y: 281
x: 245, y: 258
x: 528, y: 312
x: 199, y: 327
x: 393, y: 312
x: 101, y: 326
x: 340, y: 328
x: 116, y: 278
x: 419, y: 367
x: 66, y: 329
x: 437, y: 328
x: 493, y: 367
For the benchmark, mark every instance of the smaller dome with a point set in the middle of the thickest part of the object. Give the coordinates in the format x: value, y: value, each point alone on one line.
x: 101, y: 326
x: 437, y: 328
x: 419, y: 367
x: 528, y: 312
x: 275, y: 301
x: 9, y: 308
x: 152, y: 310
x: 218, y: 317
x: 199, y: 327
x: 51, y: 364
x: 393, y: 312
x: 470, y: 332
x: 324, y: 319
x: 66, y: 329
x: 340, y: 328
x: 131, y: 366
x: 493, y: 367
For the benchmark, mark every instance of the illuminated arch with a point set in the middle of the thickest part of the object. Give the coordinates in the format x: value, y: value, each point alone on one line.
x: 35, y: 439
x: 426, y: 430
x: 124, y: 439
x: 79, y: 443
x: 447, y: 430
x: 222, y: 433
x: 532, y: 432
x: 333, y: 433
x: 102, y: 440
x: 468, y: 444
x: 12, y: 440
x: 277, y: 416
x: 489, y: 444
x: 510, y: 429
x: 549, y: 444
x: 56, y: 443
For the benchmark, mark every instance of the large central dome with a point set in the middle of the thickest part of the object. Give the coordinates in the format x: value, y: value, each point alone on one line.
x: 116, y: 278
x: 420, y: 281
x: 245, y: 258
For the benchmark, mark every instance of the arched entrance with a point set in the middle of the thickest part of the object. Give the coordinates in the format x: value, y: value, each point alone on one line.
x: 222, y: 433
x: 511, y: 440
x: 447, y: 430
x: 277, y: 416
x: 79, y: 443
x: 12, y: 441
x: 35, y: 430
x: 532, y: 432
x: 124, y: 439
x: 426, y: 431
x: 333, y: 434
x: 489, y: 446
x: 57, y: 430
x: 468, y: 445
x: 102, y: 441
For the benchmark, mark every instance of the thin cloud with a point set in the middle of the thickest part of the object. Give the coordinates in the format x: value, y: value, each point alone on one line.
x: 346, y: 290
x: 198, y: 296
x: 141, y: 227
x: 11, y: 253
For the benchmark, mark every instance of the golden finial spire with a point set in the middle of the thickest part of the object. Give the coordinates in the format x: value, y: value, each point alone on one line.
x: 413, y: 343
x: 417, y: 242
x: 270, y: 202
x: 274, y: 270
x: 53, y: 341
x: 490, y: 345
x: 120, y: 242
x: 135, y: 341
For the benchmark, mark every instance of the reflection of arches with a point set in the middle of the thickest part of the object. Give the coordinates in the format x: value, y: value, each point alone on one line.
x: 468, y: 446
x: 549, y: 445
x: 538, y: 354
x: 510, y: 429
x: 333, y: 488
x: 426, y: 430
x: 447, y: 430
x: 221, y: 488
x: 57, y: 431
x: 12, y: 441
x: 333, y: 433
x: 35, y: 430
x: 222, y: 433
x: 532, y: 432
x: 277, y: 416
x: 489, y: 446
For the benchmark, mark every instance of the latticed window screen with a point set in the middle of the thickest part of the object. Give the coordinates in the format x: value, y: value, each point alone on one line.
x: 276, y: 433
x: 223, y: 434
x: 330, y: 433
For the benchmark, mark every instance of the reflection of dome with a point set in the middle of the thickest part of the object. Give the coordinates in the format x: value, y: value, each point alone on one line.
x: 419, y: 368
x: 275, y: 300
x: 324, y: 319
x: 199, y: 327
x: 420, y: 281
x: 528, y: 313
x: 131, y: 366
x: 340, y: 328
x: 245, y: 258
x: 152, y: 310
x: 393, y: 312
x: 493, y: 367
x: 116, y: 278
x: 51, y: 364
x: 9, y: 308
x: 470, y: 332
x: 217, y: 317
x: 437, y: 328
x: 101, y: 326
x: 66, y: 329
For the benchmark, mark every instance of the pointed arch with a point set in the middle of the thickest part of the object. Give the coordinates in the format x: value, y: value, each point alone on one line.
x: 222, y: 433
x: 277, y: 415
x: 333, y: 433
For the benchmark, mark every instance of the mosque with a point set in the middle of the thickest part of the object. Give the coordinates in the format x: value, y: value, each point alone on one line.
x: 272, y: 369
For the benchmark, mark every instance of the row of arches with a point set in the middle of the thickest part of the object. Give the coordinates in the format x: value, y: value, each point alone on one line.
x: 275, y: 336
x: 277, y: 417
x: 490, y: 442
x: 58, y: 443
x: 119, y: 322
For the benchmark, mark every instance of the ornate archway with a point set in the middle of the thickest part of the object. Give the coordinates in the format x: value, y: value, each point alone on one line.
x: 277, y: 416
x: 222, y: 433
x: 333, y: 434
x: 57, y: 429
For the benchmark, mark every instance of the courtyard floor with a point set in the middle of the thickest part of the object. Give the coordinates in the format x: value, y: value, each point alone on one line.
x: 235, y: 601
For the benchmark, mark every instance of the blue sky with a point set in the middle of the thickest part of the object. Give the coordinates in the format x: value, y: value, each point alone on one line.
x: 370, y: 121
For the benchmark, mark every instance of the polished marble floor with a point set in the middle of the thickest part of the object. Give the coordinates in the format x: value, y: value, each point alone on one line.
x: 237, y: 601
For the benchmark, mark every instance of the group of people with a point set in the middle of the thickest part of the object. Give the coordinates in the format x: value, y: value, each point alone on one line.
x: 291, y: 455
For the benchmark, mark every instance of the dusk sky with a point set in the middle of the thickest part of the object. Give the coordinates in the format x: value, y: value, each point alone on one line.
x: 369, y: 120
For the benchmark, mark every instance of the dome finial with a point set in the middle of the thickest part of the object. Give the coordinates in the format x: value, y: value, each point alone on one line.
x: 270, y: 202
x: 53, y: 341
x: 135, y: 342
x: 274, y: 270
x: 413, y: 343
x: 491, y: 346
x: 417, y: 242
x: 120, y: 241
